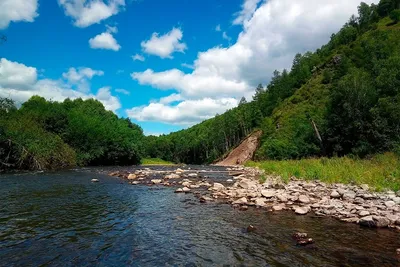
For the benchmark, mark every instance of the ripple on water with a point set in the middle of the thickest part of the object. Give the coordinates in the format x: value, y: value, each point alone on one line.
x: 63, y: 219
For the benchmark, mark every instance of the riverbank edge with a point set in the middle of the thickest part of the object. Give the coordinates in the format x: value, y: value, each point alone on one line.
x: 348, y: 203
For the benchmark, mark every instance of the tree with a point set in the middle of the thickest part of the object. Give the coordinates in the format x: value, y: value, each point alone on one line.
x: 242, y: 101
x: 395, y: 15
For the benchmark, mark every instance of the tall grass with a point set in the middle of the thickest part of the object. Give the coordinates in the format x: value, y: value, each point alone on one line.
x: 156, y: 161
x: 380, y: 172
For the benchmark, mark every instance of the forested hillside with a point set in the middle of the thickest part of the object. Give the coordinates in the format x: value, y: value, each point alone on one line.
x: 51, y: 135
x: 342, y: 99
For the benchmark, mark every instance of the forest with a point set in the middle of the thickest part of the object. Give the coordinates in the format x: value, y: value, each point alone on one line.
x: 342, y: 99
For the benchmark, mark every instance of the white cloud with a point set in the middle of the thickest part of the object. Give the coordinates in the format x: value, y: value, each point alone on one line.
x: 165, y: 45
x: 226, y: 37
x: 171, y: 99
x: 271, y: 36
x: 218, y: 28
x: 88, y: 12
x: 248, y: 9
x: 112, y: 29
x: 17, y: 10
x: 80, y: 77
x: 189, y: 66
x: 138, y: 57
x: 20, y: 82
x: 104, y: 40
x: 185, y: 113
x: 122, y: 91
x: 16, y: 74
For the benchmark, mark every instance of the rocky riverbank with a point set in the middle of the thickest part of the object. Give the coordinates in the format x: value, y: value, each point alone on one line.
x: 349, y: 203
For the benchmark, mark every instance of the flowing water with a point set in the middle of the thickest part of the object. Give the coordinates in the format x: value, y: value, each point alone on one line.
x: 63, y: 219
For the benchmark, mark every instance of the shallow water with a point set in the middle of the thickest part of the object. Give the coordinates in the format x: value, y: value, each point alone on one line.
x: 62, y: 219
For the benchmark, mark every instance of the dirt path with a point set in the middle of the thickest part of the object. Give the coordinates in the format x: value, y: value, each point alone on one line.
x: 244, y: 152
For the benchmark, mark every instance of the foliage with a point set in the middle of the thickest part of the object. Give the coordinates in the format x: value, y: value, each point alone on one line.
x: 155, y: 161
x: 49, y: 135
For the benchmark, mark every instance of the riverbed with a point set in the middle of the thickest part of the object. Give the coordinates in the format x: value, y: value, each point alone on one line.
x: 64, y: 219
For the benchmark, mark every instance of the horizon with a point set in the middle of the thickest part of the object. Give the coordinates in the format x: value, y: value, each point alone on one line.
x: 199, y: 60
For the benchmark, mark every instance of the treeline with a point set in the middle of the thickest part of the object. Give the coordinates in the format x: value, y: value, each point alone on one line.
x: 51, y: 135
x: 342, y: 99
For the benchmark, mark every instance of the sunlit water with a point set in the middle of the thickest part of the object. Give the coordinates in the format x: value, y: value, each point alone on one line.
x: 63, y: 219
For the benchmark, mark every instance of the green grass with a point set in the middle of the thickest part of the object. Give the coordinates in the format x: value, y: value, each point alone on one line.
x: 156, y: 161
x: 380, y: 172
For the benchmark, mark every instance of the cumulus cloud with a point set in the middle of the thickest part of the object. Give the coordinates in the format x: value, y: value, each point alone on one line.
x: 218, y: 28
x: 165, y: 45
x: 276, y: 31
x: 81, y: 76
x: 104, y: 40
x: 20, y: 82
x: 89, y: 12
x: 185, y: 113
x: 226, y: 37
x: 17, y: 10
x: 248, y: 8
x: 171, y: 99
x: 138, y: 57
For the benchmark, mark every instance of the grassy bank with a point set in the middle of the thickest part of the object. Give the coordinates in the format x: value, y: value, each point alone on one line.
x: 380, y: 172
x: 156, y: 161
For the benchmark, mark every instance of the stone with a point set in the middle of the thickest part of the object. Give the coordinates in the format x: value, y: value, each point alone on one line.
x: 268, y: 193
x: 390, y: 203
x: 278, y: 207
x: 218, y: 187
x: 282, y: 197
x: 396, y: 200
x: 305, y: 242
x: 204, y: 199
x: 299, y: 235
x: 132, y: 176
x: 349, y: 195
x: 358, y: 200
x: 364, y: 187
x: 186, y: 190
x: 398, y: 251
x: 260, y: 202
x: 179, y: 171
x: 95, y: 180
x: 302, y: 210
x: 335, y: 194
x: 398, y: 193
x: 179, y: 190
x: 374, y: 221
x: 251, y: 228
x: 172, y: 176
x: 350, y: 220
x: 229, y: 181
x: 192, y: 174
x: 398, y: 222
x: 240, y: 201
x: 243, y: 208
x: 135, y: 182
x: 247, y: 184
x: 363, y: 213
x: 187, y: 184
x: 304, y: 199
x: 156, y: 181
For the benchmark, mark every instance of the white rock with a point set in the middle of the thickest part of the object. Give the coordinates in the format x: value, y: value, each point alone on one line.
x: 218, y: 187
x: 282, y: 197
x: 156, y: 181
x: 187, y: 184
x: 268, y: 193
x: 302, y: 210
x: 278, y: 207
x: 304, y: 199
x: 229, y: 180
x: 335, y: 194
x: 240, y: 201
x: 363, y: 213
x: 260, y: 202
x: 172, y: 176
x: 247, y: 184
x: 94, y: 180
x: 179, y: 190
x: 390, y: 203
x: 185, y: 190
x: 192, y: 174
x: 132, y: 176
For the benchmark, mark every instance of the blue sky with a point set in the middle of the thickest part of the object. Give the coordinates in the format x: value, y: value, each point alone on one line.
x: 165, y: 64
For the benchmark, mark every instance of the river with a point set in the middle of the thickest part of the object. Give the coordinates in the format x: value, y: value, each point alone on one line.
x: 63, y: 219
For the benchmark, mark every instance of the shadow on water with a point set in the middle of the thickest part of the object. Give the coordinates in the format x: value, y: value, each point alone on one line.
x: 62, y: 219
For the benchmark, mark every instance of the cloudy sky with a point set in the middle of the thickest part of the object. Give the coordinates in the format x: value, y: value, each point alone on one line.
x: 165, y: 64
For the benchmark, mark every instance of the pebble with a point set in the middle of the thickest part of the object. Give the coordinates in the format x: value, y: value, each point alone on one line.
x: 302, y: 210
x: 304, y: 199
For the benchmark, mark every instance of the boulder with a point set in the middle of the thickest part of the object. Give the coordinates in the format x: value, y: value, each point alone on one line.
x: 390, y: 203
x: 396, y: 200
x: 156, y: 181
x: 172, y: 176
x: 363, y: 213
x: 278, y: 207
x: 302, y: 210
x: 268, y: 193
x: 349, y: 195
x: 282, y: 197
x: 247, y: 184
x: 260, y: 202
x: 374, y: 221
x: 179, y: 171
x: 398, y: 193
x: 240, y: 201
x: 192, y: 174
x: 335, y: 194
x: 132, y: 176
x: 304, y: 199
x: 229, y: 180
x: 218, y: 187
x: 186, y: 190
x: 135, y: 182
x: 179, y: 190
x: 204, y: 199
x: 95, y: 180
x: 187, y: 184
x: 364, y: 187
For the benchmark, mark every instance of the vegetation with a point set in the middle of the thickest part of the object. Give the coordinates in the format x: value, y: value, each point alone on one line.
x: 156, y: 161
x: 381, y: 171
x: 342, y: 99
x: 50, y: 135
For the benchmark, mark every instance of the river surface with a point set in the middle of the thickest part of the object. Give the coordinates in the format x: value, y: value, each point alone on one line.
x: 63, y: 219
